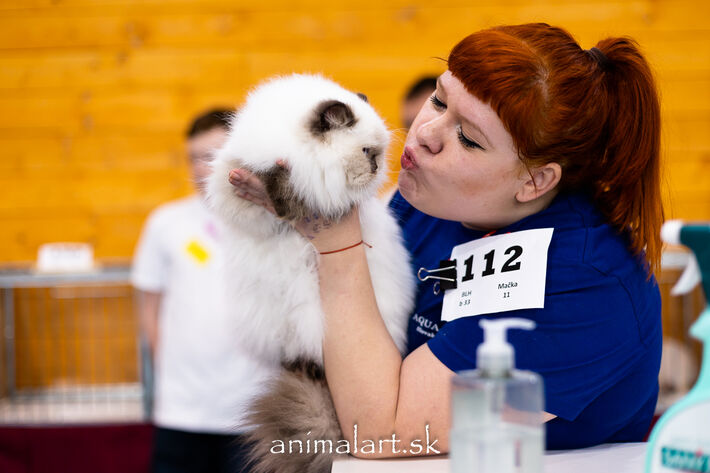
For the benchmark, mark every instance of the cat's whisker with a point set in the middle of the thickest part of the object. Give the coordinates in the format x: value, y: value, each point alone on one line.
x: 398, y: 139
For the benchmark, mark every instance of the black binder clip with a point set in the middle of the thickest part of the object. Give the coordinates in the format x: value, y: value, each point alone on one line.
x: 445, y: 275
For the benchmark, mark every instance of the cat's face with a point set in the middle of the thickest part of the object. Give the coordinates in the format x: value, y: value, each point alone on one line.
x: 357, y: 161
x: 332, y: 141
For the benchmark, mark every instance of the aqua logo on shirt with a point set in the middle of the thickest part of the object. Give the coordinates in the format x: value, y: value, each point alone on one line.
x: 685, y: 460
x: 425, y: 326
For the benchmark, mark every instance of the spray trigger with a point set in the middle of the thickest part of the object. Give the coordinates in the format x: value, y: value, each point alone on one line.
x: 689, y: 279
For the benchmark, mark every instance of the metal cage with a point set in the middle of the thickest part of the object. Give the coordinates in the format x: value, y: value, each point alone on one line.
x: 71, y: 350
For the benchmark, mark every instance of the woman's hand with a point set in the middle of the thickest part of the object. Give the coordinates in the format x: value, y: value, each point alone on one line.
x: 249, y: 187
x: 325, y: 234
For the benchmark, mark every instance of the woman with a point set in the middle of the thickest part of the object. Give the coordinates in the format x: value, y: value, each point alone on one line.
x: 525, y: 130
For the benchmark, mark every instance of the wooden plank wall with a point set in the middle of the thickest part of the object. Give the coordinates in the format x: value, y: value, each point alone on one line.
x: 95, y: 94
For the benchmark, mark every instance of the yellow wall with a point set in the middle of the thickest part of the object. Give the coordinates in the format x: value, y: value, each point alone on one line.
x: 95, y: 95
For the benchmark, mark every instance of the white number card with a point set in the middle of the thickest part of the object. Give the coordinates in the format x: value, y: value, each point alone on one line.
x: 499, y: 273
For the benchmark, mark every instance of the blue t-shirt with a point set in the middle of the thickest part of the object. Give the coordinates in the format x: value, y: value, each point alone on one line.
x: 597, y: 343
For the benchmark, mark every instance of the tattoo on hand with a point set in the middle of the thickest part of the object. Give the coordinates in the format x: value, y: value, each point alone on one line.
x: 314, y: 224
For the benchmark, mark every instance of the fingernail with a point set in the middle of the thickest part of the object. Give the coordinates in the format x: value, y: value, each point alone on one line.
x: 235, y: 176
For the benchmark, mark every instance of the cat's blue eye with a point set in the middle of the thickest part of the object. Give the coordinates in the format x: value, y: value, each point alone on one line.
x: 437, y: 103
x: 466, y: 142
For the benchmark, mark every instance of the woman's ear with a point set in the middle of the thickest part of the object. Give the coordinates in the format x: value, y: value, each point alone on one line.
x: 540, y: 181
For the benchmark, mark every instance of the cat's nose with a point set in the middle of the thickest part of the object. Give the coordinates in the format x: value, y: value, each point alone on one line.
x: 371, y: 154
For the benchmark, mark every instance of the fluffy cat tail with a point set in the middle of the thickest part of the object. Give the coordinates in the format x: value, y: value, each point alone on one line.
x: 296, y: 428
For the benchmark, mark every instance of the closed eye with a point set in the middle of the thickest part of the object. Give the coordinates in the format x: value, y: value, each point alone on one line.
x: 437, y: 103
x: 467, y: 142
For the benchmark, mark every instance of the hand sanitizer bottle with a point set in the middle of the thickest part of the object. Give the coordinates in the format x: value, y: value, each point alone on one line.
x: 497, y: 411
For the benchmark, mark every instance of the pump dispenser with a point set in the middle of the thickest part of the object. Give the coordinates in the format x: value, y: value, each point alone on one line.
x: 497, y: 424
x: 495, y: 357
x: 680, y: 441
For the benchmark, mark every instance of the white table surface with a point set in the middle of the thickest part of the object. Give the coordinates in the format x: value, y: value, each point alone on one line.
x: 619, y: 458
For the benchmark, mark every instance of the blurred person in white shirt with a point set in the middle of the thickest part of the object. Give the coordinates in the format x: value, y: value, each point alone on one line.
x: 203, y: 381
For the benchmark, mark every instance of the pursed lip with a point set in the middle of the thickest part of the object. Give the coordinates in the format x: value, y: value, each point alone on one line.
x: 408, y: 160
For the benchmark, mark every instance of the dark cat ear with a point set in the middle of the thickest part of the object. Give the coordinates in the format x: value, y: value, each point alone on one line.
x: 363, y: 97
x: 278, y: 187
x: 330, y: 115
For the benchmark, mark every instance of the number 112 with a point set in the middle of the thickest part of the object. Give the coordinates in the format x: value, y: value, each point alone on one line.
x: 510, y: 265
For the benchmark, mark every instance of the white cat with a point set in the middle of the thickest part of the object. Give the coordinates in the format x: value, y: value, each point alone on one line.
x: 333, y: 144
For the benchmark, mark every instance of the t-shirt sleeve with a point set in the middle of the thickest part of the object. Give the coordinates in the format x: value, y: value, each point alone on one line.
x: 150, y: 260
x: 586, y: 340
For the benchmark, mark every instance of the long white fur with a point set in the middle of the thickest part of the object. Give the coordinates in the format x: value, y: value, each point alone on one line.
x: 273, y: 279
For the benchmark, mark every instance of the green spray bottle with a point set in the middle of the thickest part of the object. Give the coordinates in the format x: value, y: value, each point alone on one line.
x: 680, y: 441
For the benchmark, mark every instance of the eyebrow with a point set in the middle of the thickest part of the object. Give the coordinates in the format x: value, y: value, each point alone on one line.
x: 468, y: 122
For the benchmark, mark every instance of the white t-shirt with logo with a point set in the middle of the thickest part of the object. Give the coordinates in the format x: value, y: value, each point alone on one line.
x: 203, y: 381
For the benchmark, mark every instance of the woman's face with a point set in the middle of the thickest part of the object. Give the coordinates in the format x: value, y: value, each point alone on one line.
x: 460, y: 162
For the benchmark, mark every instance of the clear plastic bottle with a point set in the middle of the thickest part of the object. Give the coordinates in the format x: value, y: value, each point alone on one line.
x: 497, y: 424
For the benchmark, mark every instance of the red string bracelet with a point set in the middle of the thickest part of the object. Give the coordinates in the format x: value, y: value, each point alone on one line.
x: 361, y: 242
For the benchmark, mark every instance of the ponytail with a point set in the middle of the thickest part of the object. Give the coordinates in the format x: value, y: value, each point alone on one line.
x: 627, y: 188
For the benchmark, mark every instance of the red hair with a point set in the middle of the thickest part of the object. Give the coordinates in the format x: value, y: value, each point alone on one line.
x: 596, y: 113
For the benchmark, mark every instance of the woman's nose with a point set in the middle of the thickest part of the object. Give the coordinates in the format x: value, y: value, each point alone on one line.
x: 429, y: 136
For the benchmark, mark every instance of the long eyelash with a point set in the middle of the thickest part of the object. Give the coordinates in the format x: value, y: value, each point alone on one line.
x: 437, y: 103
x: 465, y: 141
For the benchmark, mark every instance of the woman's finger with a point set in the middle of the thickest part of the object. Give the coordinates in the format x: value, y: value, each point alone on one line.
x: 249, y: 187
x: 258, y: 200
x: 246, y: 181
x: 237, y: 177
